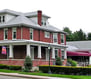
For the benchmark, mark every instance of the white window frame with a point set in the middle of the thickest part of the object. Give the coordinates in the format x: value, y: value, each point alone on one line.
x: 14, y: 30
x: 62, y: 54
x: 55, y: 52
x: 47, y: 34
x: 56, y: 37
x: 62, y: 38
x: 31, y: 31
x: 4, y: 33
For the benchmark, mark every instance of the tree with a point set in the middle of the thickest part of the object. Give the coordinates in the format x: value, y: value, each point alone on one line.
x: 69, y: 36
x: 79, y: 35
x: 27, y: 64
x: 89, y: 36
x: 58, y: 61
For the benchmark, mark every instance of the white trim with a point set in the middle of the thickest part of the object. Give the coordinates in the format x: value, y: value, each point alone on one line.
x: 10, y: 51
x: 47, y: 34
x: 28, y: 50
x: 55, y: 35
x: 31, y: 31
x: 53, y: 53
x: 7, y: 33
x: 62, y: 35
x: 14, y: 30
x: 39, y: 51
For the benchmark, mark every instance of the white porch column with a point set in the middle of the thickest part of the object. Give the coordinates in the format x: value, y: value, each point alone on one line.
x: 89, y: 60
x: 28, y: 50
x: 53, y: 52
x: 39, y: 51
x: 65, y: 54
x: 10, y: 51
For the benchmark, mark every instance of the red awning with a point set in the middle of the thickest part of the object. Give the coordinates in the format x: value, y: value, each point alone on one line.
x: 71, y: 53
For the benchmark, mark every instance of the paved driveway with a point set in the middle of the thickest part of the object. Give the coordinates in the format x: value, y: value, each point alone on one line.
x: 10, y: 77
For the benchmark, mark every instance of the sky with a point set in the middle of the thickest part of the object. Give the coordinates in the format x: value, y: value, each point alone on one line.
x: 75, y: 14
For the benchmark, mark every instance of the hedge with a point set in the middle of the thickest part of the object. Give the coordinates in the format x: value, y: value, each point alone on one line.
x: 11, y: 67
x: 67, y: 70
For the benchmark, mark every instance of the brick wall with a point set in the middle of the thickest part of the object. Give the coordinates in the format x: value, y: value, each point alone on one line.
x: 9, y: 33
x: 18, y: 33
x: 1, y: 34
x: 36, y: 35
x: 42, y: 37
x: 25, y: 33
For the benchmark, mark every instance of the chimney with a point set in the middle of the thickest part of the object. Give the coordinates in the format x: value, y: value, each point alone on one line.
x: 39, y: 17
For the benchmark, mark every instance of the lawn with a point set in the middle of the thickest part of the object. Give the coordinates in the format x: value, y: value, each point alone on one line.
x: 45, y: 74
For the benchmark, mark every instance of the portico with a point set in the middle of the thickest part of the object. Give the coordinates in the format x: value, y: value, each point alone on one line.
x: 37, y: 51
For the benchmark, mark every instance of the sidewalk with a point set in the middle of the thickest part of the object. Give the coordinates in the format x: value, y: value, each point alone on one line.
x: 30, y: 76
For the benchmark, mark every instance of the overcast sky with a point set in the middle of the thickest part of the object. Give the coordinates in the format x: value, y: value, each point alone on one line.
x: 74, y: 14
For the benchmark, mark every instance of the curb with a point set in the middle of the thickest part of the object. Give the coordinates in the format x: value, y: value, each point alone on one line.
x: 30, y: 76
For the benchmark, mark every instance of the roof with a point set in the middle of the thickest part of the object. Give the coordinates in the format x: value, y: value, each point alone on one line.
x: 22, y: 19
x: 81, y: 45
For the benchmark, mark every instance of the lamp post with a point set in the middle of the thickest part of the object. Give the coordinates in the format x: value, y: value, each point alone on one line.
x: 49, y: 70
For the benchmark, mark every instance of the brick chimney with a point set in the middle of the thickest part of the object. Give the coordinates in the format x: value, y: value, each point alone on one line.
x: 39, y: 17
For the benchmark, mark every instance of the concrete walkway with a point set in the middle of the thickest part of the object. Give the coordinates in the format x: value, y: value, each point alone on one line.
x: 29, y: 76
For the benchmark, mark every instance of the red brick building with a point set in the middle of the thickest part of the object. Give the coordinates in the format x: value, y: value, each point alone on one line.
x: 30, y: 34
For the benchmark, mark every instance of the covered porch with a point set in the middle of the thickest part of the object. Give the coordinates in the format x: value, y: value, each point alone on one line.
x: 38, y: 51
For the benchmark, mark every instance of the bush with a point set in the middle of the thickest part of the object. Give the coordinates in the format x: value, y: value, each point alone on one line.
x: 72, y: 62
x: 58, y: 61
x: 27, y: 64
x: 2, y: 66
x: 12, y: 67
x: 67, y: 70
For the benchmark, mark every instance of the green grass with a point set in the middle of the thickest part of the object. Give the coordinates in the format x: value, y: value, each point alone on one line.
x: 45, y: 74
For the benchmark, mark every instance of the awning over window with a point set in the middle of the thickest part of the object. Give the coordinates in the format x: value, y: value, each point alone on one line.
x: 71, y: 53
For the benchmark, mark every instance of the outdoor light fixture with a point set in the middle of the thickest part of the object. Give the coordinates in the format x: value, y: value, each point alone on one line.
x: 49, y: 70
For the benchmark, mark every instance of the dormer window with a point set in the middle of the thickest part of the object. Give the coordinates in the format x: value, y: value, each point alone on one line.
x: 43, y: 23
x: 2, y: 19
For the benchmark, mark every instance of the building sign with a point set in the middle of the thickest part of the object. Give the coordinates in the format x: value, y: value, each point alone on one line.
x: 3, y: 50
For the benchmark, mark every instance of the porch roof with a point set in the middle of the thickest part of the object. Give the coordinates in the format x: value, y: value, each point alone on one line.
x: 31, y: 42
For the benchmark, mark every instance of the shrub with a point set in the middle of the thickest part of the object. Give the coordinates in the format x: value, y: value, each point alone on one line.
x: 12, y: 67
x: 67, y: 70
x: 2, y: 66
x: 72, y: 62
x: 58, y: 61
x: 27, y: 64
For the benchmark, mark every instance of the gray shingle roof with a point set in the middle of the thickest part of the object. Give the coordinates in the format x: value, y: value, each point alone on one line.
x: 82, y: 45
x: 22, y: 19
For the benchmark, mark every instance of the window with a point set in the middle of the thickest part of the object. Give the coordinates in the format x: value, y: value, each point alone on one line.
x: 62, y: 38
x: 47, y: 34
x: 55, y: 38
x: 56, y: 53
x: 31, y: 34
x: 14, y: 33
x: 62, y: 53
x: 2, y: 19
x: 5, y: 33
x: 43, y: 23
